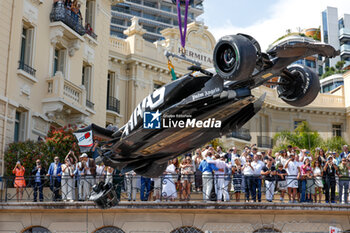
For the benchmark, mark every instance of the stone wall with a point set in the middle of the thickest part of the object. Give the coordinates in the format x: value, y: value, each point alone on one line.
x: 165, y: 217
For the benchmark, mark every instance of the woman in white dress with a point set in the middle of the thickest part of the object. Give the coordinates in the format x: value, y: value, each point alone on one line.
x: 318, y: 173
x: 67, y: 180
x: 169, y: 187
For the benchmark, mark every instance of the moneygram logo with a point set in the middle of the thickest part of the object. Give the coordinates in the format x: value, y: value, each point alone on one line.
x: 152, y: 120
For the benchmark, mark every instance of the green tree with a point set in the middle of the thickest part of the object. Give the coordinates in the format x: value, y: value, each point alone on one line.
x: 303, y: 137
x: 58, y: 143
x: 27, y: 153
x: 334, y: 144
x: 340, y: 65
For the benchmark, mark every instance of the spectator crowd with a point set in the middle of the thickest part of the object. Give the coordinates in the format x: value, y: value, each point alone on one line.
x: 294, y: 175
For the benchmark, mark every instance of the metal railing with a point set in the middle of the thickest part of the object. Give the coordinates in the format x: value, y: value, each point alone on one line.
x: 176, y: 187
x: 113, y: 104
x: 26, y: 68
x: 265, y: 141
x: 91, y: 33
x: 241, y: 133
x: 68, y: 17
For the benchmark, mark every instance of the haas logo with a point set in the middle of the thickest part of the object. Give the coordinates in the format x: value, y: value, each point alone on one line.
x: 148, y: 104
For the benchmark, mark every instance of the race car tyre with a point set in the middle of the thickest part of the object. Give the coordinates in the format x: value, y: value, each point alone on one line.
x: 303, y: 89
x: 235, y: 57
x: 152, y: 170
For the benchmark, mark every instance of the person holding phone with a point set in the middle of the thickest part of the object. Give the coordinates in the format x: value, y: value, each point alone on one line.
x: 330, y: 170
x: 38, y: 174
x: 20, y: 182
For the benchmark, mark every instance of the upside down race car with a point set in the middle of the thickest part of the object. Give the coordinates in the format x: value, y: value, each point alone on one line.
x: 206, y: 104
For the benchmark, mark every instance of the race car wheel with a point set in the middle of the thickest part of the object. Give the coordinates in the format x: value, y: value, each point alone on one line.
x: 152, y: 170
x: 303, y: 88
x: 235, y: 57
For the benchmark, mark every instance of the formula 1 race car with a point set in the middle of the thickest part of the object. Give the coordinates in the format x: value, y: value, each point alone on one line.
x: 206, y: 104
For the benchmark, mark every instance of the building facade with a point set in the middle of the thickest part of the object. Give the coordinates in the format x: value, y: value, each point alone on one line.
x: 194, y: 217
x: 336, y: 32
x: 59, y: 70
x: 52, y: 67
x: 154, y: 16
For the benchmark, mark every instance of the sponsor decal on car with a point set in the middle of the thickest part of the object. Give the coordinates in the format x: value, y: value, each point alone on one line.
x: 152, y: 120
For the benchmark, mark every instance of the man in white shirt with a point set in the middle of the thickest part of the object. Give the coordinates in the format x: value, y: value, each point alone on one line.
x: 292, y: 168
x: 220, y: 179
x: 248, y: 172
x: 258, y: 165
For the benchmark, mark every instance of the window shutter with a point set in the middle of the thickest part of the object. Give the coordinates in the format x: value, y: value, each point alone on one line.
x: 87, y: 82
x: 90, y: 13
x: 22, y: 126
x: 29, y: 47
x: 62, y: 61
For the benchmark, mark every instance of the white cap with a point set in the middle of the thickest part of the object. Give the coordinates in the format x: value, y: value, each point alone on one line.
x: 259, y: 153
x: 84, y: 155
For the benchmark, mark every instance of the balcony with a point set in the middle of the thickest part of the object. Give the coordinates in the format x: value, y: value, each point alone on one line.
x: 344, y: 34
x: 60, y: 14
x: 62, y: 94
x: 345, y: 50
x: 119, y: 45
x: 113, y: 104
x: 242, y: 133
x: 92, y: 34
x: 265, y: 142
x: 26, y: 68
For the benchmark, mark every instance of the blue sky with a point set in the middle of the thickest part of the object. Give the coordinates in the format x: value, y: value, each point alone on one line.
x: 266, y: 20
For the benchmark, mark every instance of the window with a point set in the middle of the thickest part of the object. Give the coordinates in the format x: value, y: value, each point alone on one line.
x: 37, y: 230
x: 150, y: 4
x: 118, y: 21
x: 26, y: 55
x: 186, y: 230
x: 90, y: 13
x: 341, y: 23
x: 266, y: 230
x: 165, y: 8
x: 111, y: 85
x: 336, y: 128
x: 149, y: 28
x: 59, y: 61
x: 20, y: 126
x: 109, y: 230
x: 113, y: 103
x: 325, y: 26
x: 297, y: 123
x: 87, y: 81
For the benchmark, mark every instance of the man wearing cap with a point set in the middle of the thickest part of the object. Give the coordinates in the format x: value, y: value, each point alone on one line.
x: 330, y: 170
x: 86, y: 168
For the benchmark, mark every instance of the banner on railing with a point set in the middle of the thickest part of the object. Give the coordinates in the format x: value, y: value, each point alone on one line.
x: 85, y: 140
x: 334, y: 230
